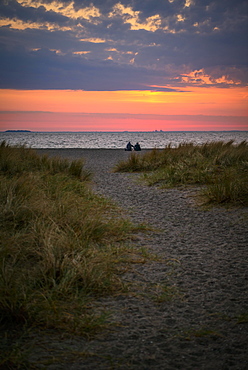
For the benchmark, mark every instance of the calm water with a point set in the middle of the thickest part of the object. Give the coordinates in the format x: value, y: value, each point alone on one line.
x: 117, y: 140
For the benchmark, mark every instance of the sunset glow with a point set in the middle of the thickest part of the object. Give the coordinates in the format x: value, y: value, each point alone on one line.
x: 64, y: 110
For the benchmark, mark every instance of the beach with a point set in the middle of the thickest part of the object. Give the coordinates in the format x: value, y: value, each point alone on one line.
x: 188, y: 302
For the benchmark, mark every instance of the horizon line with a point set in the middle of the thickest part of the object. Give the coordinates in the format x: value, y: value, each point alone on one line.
x: 120, y: 131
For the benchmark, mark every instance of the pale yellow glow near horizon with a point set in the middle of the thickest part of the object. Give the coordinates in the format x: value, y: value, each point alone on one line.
x: 189, y: 101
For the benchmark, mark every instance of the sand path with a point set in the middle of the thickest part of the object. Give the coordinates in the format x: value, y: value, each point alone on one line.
x: 188, y: 303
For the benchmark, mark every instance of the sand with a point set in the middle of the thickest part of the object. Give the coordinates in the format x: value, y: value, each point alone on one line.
x: 185, y: 306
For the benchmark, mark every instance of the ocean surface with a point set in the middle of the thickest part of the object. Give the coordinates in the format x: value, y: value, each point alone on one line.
x: 118, y: 140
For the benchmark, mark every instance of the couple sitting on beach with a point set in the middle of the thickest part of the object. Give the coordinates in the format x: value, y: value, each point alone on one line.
x: 131, y: 147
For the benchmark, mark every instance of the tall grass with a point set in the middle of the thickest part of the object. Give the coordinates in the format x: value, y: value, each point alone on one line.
x: 60, y: 244
x: 19, y: 159
x: 221, y: 167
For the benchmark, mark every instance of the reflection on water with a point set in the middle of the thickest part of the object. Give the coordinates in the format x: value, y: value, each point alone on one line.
x: 117, y: 140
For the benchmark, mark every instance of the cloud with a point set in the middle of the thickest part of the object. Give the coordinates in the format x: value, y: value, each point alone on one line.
x: 95, y: 40
x: 131, y: 17
x: 201, y: 78
x: 22, y: 25
x: 50, y: 69
x: 66, y: 9
x: 118, y: 45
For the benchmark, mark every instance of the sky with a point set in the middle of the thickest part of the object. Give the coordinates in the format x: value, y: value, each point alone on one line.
x: 129, y: 65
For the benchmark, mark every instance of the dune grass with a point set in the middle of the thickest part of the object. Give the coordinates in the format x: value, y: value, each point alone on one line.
x: 61, y: 245
x: 221, y: 167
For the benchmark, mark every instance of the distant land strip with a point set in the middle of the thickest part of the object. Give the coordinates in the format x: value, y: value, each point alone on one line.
x: 18, y: 131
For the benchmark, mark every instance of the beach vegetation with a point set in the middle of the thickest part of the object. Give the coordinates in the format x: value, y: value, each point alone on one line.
x: 165, y: 293
x: 61, y: 245
x: 242, y: 318
x: 219, y: 168
x: 203, y: 332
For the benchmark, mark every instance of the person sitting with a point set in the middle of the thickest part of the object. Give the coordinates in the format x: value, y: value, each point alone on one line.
x: 137, y: 147
x: 129, y: 147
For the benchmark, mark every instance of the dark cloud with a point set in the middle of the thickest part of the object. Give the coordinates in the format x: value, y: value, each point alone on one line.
x: 143, y: 43
x: 44, y: 69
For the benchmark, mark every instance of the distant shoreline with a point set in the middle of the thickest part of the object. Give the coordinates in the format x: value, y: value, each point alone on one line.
x: 17, y: 131
x: 128, y: 132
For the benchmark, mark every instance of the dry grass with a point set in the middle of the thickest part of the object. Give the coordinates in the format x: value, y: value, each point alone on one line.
x: 61, y: 245
x: 221, y: 167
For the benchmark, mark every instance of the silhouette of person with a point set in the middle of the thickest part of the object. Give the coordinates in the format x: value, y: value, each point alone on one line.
x: 137, y: 147
x: 129, y: 147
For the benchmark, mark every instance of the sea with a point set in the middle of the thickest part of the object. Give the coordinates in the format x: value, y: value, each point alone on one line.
x: 118, y: 140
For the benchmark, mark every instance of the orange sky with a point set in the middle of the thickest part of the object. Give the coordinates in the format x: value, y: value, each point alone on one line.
x: 24, y: 109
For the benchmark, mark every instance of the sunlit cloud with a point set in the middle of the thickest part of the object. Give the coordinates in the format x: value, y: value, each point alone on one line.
x: 65, y: 9
x: 57, y: 51
x: 180, y: 18
x: 188, y: 3
x: 121, y: 52
x: 225, y: 80
x: 81, y: 52
x: 94, y: 40
x: 199, y: 77
x: 21, y: 25
x: 130, y: 16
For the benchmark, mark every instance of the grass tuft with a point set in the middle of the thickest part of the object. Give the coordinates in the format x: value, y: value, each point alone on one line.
x: 19, y: 159
x: 60, y: 243
x: 221, y: 167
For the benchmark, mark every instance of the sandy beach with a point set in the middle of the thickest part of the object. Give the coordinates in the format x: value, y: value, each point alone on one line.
x: 188, y: 307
